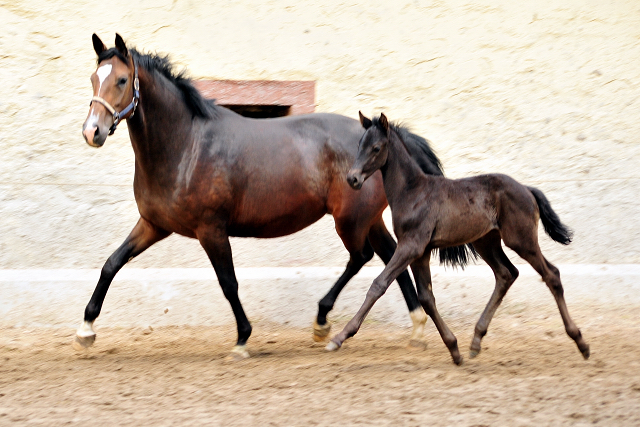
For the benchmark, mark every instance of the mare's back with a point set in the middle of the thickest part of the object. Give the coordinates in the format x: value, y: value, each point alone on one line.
x: 308, y: 133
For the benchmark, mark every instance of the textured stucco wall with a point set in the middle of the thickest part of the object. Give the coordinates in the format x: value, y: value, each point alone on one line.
x: 544, y: 91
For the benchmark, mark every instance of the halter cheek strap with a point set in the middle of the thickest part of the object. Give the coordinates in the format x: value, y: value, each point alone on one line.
x: 129, y: 110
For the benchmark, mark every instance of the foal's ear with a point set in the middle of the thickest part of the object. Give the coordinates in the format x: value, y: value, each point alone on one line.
x: 366, y: 123
x: 98, y: 46
x: 122, y: 48
x: 384, y: 123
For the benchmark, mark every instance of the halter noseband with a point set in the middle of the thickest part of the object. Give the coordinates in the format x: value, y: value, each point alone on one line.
x: 129, y: 109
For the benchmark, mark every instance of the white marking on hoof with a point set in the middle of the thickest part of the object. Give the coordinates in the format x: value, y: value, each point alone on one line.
x: 332, y: 346
x: 83, y: 343
x: 239, y: 352
x: 86, y: 329
x: 417, y: 345
x: 85, y: 336
x: 419, y: 319
x: 321, y: 332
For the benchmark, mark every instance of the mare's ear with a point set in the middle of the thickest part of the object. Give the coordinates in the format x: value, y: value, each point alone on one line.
x: 384, y: 123
x: 122, y: 48
x: 98, y: 46
x: 366, y: 123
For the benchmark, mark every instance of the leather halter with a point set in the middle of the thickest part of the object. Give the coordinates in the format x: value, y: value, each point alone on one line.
x: 129, y: 109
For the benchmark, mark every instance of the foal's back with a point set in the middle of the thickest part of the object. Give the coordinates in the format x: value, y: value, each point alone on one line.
x: 466, y: 209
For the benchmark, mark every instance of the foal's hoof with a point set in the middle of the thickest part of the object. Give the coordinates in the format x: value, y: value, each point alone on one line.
x: 417, y: 345
x: 458, y: 360
x: 332, y: 346
x: 585, y: 352
x: 83, y: 343
x: 321, y: 332
x: 238, y: 353
x: 473, y: 353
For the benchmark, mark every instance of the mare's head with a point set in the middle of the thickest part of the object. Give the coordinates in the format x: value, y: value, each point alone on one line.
x: 115, y: 91
x: 372, y: 150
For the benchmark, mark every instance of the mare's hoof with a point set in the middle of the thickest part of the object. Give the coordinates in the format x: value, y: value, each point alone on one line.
x: 473, y: 353
x: 238, y: 353
x: 332, y: 346
x: 586, y: 352
x: 83, y: 343
x: 417, y: 345
x: 321, y: 332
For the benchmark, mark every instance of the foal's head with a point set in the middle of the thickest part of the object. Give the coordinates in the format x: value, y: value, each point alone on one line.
x: 372, y: 150
x: 114, y: 94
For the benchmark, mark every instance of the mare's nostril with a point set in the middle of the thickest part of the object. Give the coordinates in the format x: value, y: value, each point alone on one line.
x: 97, y: 132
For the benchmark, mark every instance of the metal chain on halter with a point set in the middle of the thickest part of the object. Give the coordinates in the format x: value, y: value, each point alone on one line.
x: 129, y: 109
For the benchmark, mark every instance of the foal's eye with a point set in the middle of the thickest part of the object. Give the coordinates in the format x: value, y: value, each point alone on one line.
x: 122, y: 81
x: 376, y: 149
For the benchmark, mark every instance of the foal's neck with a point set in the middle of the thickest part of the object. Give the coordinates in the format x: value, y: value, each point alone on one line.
x: 400, y: 173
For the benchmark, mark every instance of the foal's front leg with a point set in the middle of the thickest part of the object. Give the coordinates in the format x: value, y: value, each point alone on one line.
x: 422, y: 275
x: 405, y: 253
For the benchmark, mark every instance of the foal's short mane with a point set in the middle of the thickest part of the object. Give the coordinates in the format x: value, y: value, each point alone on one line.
x: 197, y: 104
x: 418, y: 147
x: 422, y: 153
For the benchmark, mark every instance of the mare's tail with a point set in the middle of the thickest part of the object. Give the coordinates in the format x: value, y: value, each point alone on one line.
x: 550, y: 220
x: 457, y: 256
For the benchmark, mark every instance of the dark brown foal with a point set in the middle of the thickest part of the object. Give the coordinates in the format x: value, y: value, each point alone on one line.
x: 432, y: 212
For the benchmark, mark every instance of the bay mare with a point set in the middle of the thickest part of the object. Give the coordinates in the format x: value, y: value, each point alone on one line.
x: 205, y: 172
x: 432, y: 212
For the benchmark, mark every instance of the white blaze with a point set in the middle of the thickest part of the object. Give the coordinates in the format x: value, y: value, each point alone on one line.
x: 102, y: 73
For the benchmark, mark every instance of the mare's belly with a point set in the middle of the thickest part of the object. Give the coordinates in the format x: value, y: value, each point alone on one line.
x: 277, y: 216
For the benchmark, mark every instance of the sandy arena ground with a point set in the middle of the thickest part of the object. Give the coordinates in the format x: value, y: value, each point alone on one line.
x: 529, y: 373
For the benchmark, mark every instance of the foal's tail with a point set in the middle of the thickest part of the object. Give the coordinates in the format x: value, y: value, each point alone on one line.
x: 550, y: 220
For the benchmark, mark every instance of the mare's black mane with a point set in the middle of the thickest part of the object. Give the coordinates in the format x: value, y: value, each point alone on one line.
x: 197, y: 104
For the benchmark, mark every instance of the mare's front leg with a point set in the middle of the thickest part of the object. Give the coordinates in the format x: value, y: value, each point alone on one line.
x: 405, y: 253
x: 143, y: 235
x: 422, y: 274
x: 216, y: 244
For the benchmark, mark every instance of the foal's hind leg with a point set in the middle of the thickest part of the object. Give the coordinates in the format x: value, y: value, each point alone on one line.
x: 551, y: 277
x: 385, y: 246
x: 143, y: 235
x: 505, y: 272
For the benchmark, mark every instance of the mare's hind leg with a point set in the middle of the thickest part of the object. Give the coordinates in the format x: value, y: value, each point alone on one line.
x: 384, y: 245
x: 551, y: 276
x: 143, y: 235
x: 422, y: 274
x: 505, y: 272
x: 216, y: 244
x: 357, y: 259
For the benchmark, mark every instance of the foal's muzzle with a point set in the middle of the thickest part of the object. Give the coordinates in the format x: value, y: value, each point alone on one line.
x: 355, y: 179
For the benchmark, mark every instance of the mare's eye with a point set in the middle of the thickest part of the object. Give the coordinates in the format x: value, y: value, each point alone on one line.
x: 376, y: 149
x: 122, y: 81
